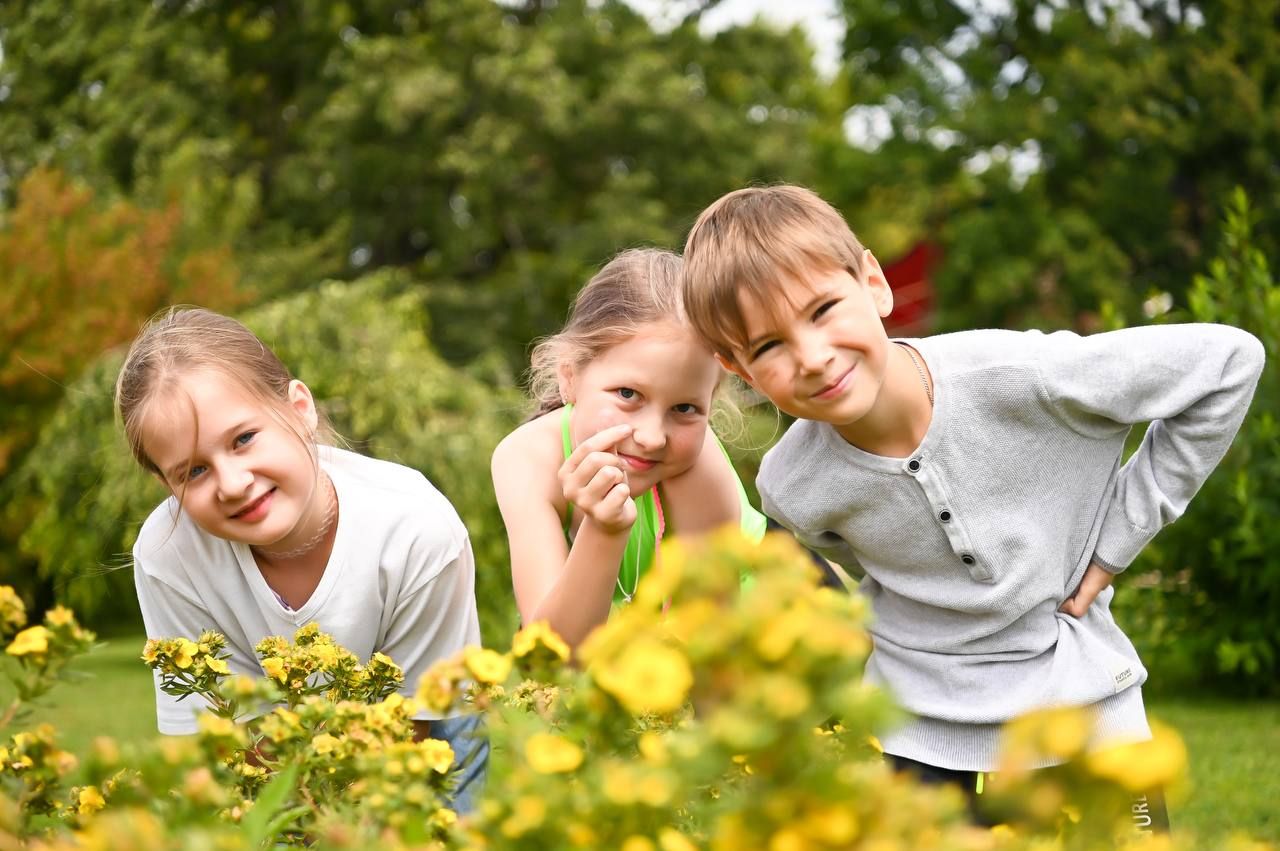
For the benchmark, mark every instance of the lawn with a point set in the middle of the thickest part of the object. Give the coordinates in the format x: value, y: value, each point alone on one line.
x: 1233, y: 746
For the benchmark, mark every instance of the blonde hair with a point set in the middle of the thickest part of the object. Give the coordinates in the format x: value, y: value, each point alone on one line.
x: 180, y: 341
x: 637, y: 287
x: 746, y: 242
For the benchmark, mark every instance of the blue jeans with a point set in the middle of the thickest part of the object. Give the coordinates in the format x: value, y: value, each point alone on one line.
x: 470, y: 743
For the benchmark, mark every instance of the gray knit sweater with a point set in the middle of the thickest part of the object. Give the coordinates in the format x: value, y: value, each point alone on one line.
x: 969, y: 545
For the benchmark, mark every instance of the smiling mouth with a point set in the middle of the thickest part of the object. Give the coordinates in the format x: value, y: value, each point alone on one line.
x: 253, y: 506
x: 638, y: 464
x: 834, y: 387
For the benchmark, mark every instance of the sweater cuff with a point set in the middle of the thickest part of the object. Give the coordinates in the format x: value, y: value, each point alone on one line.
x: 1119, y: 542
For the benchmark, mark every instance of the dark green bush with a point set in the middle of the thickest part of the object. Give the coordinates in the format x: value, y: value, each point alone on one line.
x: 1204, y: 608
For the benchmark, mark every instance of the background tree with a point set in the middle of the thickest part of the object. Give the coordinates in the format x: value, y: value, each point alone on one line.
x: 1061, y: 153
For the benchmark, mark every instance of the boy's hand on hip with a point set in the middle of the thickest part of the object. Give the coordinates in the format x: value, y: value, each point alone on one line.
x: 1091, y: 585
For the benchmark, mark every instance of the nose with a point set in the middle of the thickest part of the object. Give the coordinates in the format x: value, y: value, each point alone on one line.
x: 233, y: 480
x: 648, y: 433
x: 813, y: 353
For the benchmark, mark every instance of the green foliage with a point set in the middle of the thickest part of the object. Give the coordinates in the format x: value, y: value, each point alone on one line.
x: 362, y: 349
x: 1211, y: 614
x: 503, y: 151
x: 1060, y: 153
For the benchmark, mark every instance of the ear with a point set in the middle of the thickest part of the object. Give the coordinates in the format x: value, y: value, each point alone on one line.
x: 731, y: 364
x: 877, y: 283
x: 565, y: 379
x: 301, y: 403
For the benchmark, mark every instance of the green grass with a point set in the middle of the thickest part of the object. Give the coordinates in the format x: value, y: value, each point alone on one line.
x: 1233, y: 745
x: 113, y: 696
x: 1233, y: 748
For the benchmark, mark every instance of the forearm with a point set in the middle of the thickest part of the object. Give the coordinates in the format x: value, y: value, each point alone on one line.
x: 581, y: 597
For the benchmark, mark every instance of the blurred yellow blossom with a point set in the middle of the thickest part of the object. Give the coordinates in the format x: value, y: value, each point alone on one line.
x: 31, y: 640
x: 547, y: 753
x: 487, y: 666
x: 538, y: 634
x: 646, y: 676
x: 1140, y: 766
x: 670, y: 839
x: 59, y: 616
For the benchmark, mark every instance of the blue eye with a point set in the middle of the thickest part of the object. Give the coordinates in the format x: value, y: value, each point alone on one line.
x: 686, y: 408
x: 195, y: 471
x: 626, y: 393
x: 245, y: 438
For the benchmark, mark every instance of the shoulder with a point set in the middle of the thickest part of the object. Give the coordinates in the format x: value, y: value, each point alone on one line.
x: 172, y: 549
x: 979, y: 350
x: 536, y: 442
x: 795, y: 462
x: 394, y: 504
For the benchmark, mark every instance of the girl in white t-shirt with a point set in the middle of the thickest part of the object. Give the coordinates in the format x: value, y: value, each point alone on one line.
x: 268, y: 527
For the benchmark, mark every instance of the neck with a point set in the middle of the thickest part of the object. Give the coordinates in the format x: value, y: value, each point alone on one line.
x: 903, y: 411
x: 321, y: 523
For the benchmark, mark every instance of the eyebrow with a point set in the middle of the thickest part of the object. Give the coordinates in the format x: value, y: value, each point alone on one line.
x: 185, y: 463
x: 804, y: 308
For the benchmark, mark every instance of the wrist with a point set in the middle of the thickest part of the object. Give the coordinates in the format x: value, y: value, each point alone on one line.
x: 608, y: 530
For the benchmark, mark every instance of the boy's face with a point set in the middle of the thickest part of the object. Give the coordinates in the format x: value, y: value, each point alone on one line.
x: 819, y: 351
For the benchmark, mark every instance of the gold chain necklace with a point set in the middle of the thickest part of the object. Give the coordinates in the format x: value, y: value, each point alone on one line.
x: 924, y: 381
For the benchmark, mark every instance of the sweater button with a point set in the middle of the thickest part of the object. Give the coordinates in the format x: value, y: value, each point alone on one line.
x: 944, y: 516
x: 914, y: 465
x: 968, y: 559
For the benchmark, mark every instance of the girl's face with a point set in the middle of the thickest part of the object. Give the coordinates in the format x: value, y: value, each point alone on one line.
x: 241, y: 473
x: 660, y: 382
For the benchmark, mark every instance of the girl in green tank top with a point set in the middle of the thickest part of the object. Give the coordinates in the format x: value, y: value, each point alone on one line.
x: 649, y: 526
x: 618, y: 453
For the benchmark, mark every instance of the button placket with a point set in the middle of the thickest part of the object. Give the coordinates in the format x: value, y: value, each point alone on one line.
x: 951, y: 524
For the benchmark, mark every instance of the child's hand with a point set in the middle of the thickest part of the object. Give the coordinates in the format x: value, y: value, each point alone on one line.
x: 1091, y: 585
x: 592, y: 479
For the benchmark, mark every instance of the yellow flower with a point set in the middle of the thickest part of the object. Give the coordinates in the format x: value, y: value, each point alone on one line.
x: 324, y: 744
x: 788, y: 839
x: 527, y: 814
x: 150, y: 650
x: 580, y: 835
x: 31, y: 640
x: 653, y: 748
x: 13, y: 612
x: 185, y: 653
x: 831, y: 824
x: 550, y: 754
x: 637, y: 843
x: 1143, y: 765
x: 437, y: 753
x: 538, y: 633
x: 218, y: 666
x: 487, y: 666
x: 217, y: 726
x: 59, y: 616
x: 670, y: 839
x: 273, y: 666
x: 647, y: 676
x: 91, y: 800
x: 325, y: 654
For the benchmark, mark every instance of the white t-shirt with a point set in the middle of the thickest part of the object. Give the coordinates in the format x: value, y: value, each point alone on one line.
x: 400, y: 580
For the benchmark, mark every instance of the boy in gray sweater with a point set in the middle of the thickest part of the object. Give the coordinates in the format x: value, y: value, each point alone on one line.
x: 973, y: 479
